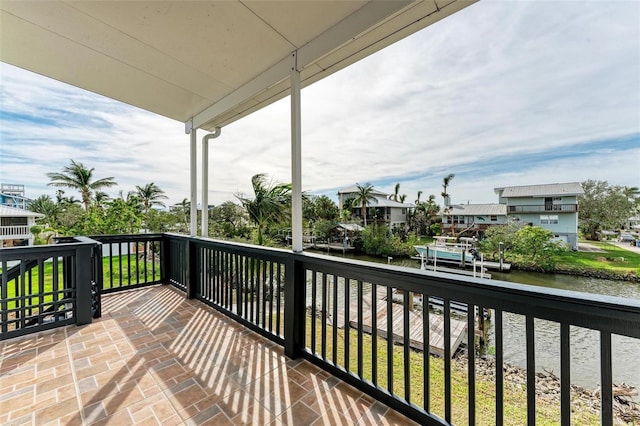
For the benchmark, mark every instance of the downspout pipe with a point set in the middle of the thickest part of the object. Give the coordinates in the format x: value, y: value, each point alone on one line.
x: 205, y: 180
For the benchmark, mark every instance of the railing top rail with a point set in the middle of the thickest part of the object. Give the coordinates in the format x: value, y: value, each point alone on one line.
x: 126, y: 238
x: 234, y: 246
x: 44, y: 251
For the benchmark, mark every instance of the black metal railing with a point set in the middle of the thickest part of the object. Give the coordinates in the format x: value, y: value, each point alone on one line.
x: 373, y: 326
x: 544, y: 208
x: 243, y: 281
x: 47, y: 286
x: 130, y: 261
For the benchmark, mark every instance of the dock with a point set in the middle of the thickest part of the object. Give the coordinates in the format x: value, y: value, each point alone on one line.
x: 491, y: 266
x: 416, y: 337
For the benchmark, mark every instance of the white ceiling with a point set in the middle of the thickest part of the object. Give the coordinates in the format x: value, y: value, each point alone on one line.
x: 212, y: 62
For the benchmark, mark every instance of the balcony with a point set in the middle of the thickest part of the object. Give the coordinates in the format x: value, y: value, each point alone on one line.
x: 542, y: 208
x: 168, y: 329
x: 14, y: 232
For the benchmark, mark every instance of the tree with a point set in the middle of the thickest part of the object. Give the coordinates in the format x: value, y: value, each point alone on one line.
x: 77, y: 176
x: 603, y: 207
x: 528, y: 246
x: 268, y: 205
x: 229, y: 220
x: 425, y: 214
x: 46, y: 206
x: 445, y: 184
x: 325, y: 208
x: 150, y: 195
x: 365, y: 197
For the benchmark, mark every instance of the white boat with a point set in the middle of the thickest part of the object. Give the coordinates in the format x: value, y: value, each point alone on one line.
x: 448, y: 249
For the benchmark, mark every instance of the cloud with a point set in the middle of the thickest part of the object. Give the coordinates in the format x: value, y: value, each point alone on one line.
x: 502, y: 93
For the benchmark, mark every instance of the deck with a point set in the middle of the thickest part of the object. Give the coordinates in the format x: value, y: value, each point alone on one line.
x: 158, y: 358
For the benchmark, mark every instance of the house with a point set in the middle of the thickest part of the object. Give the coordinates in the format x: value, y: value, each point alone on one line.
x: 392, y: 213
x: 550, y: 206
x: 15, y: 225
x: 13, y: 196
x: 473, y: 218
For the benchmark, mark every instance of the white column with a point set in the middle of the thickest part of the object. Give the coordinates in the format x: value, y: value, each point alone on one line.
x: 205, y: 188
x: 194, y: 184
x: 296, y: 159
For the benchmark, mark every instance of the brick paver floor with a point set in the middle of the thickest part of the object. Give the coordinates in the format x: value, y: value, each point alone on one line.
x: 158, y: 358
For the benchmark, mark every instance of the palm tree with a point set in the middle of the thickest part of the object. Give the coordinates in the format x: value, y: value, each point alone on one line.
x: 268, y: 205
x: 418, y: 199
x: 46, y: 206
x: 395, y: 194
x: 364, y: 197
x: 77, y: 176
x: 150, y: 194
x: 445, y: 184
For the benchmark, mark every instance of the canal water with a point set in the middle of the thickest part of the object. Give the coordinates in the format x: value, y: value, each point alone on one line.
x: 585, y: 343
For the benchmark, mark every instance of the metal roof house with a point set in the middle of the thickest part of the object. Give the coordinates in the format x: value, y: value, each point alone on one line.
x: 551, y: 206
x: 474, y: 218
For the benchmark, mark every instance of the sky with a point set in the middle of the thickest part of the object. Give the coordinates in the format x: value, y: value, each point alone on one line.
x: 502, y: 93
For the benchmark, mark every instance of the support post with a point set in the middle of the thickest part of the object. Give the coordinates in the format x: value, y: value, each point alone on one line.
x: 294, y: 307
x: 194, y: 184
x: 296, y: 158
x: 83, y: 278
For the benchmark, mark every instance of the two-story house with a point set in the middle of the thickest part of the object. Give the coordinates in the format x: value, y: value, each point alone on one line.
x: 472, y: 218
x: 551, y: 206
x: 383, y: 210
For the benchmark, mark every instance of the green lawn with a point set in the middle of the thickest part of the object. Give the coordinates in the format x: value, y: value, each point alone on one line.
x: 611, y: 259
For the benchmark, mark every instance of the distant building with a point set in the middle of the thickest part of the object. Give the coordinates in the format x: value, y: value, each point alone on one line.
x: 15, y: 225
x: 550, y: 206
x: 392, y: 213
x: 12, y: 195
x: 473, y: 218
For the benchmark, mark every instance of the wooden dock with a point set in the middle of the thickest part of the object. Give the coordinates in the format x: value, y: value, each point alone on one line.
x: 416, y: 338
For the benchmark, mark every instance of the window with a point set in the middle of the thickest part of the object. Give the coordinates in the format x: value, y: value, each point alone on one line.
x: 458, y: 220
x: 494, y: 218
x: 551, y: 219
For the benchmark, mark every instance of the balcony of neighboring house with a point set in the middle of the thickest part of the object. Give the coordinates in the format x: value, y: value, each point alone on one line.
x: 541, y: 208
x: 164, y: 328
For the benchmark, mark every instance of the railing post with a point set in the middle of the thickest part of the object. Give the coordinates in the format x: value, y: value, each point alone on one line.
x: 163, y: 259
x: 98, y: 280
x: 83, y: 284
x: 192, y: 271
x: 294, y: 309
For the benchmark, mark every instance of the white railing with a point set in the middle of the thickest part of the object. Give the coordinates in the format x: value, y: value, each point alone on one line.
x: 15, y: 231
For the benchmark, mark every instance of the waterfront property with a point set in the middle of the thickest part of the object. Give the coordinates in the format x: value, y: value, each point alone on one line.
x: 473, y: 219
x: 551, y: 206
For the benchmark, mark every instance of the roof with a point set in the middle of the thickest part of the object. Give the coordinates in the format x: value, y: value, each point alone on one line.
x: 545, y: 190
x: 205, y: 63
x: 350, y: 227
x: 354, y: 190
x: 478, y: 209
x: 6, y: 211
x: 385, y: 202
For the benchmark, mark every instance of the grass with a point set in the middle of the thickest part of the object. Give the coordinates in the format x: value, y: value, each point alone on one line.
x: 30, y: 284
x: 610, y: 259
x: 515, y: 407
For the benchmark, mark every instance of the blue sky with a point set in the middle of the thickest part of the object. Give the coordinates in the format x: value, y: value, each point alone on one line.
x: 502, y: 93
